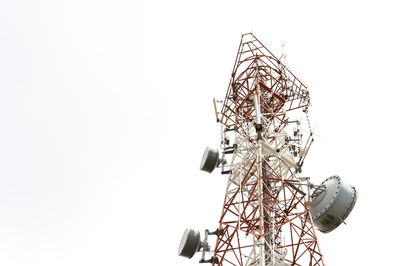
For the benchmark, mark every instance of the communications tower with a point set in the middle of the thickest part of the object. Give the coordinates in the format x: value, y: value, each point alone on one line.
x: 270, y: 211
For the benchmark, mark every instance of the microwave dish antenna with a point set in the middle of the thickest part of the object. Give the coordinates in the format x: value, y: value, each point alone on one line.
x: 210, y: 160
x: 331, y: 206
x: 190, y: 243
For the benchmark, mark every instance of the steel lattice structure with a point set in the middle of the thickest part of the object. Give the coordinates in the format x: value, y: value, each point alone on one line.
x: 265, y: 218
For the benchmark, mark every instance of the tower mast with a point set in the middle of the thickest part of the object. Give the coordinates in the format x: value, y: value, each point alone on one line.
x: 269, y: 209
x: 264, y: 196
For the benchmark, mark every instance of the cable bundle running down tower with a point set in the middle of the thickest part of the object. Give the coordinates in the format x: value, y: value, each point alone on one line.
x: 269, y: 210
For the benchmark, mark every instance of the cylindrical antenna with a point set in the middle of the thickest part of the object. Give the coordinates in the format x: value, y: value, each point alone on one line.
x: 216, y: 110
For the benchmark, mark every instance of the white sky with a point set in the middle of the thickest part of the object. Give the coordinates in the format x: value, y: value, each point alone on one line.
x: 106, y: 108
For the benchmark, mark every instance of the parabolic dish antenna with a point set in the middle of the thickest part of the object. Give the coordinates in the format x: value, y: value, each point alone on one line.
x: 209, y: 160
x: 331, y: 206
x: 190, y: 243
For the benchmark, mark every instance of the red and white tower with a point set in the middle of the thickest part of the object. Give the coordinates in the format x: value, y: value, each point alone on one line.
x: 269, y: 207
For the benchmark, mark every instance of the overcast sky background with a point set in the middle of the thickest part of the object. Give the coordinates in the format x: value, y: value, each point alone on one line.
x: 106, y: 108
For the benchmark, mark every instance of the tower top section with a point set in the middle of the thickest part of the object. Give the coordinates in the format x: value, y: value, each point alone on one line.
x: 254, y: 66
